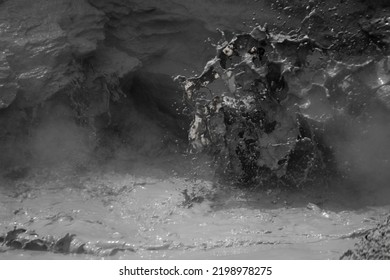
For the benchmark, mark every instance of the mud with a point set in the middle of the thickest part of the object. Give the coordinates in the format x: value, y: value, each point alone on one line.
x: 140, y: 211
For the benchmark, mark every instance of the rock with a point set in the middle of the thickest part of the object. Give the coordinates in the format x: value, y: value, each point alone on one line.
x: 154, y: 31
x: 53, y: 55
x: 43, y: 41
x: 40, y: 41
x: 69, y: 244
x: 375, y: 245
x: 313, y: 207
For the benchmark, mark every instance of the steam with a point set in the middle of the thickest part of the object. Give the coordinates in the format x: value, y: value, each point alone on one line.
x: 58, y: 141
x: 362, y: 152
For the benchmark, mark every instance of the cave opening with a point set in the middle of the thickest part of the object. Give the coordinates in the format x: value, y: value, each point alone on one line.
x: 148, y: 119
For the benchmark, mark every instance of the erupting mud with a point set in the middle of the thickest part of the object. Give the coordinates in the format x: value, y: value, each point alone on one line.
x: 266, y: 105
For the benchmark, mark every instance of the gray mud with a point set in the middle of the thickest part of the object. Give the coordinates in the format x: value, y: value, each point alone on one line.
x: 152, y: 213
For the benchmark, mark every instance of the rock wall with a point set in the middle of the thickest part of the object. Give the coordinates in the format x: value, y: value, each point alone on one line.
x: 53, y: 49
x: 40, y: 42
x: 65, y: 62
x: 45, y: 44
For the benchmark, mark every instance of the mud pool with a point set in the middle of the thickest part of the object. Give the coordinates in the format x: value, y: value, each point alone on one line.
x: 135, y: 203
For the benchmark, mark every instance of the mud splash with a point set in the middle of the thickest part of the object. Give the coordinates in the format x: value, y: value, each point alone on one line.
x: 267, y: 105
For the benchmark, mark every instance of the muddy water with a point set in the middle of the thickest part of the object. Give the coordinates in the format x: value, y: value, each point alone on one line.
x: 165, y: 214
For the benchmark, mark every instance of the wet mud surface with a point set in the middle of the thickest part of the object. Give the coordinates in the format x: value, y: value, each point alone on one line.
x: 147, y: 212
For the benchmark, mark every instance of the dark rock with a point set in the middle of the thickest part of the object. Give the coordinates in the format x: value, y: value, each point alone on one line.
x: 36, y: 245
x: 68, y: 244
x: 13, y: 234
x: 63, y: 244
